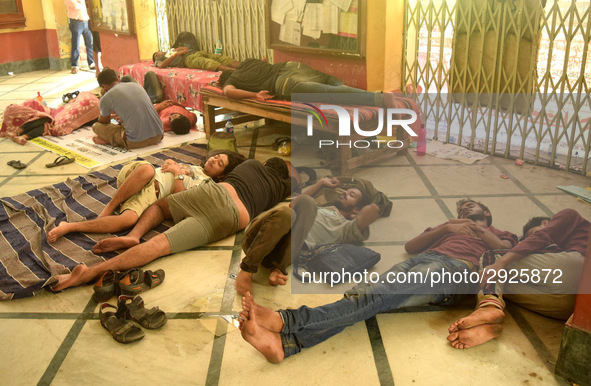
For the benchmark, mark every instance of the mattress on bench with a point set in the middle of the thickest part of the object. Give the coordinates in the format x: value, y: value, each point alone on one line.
x: 180, y: 85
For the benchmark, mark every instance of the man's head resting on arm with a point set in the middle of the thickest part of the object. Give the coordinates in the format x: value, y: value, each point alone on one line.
x: 473, y: 210
x: 221, y: 162
x: 352, y: 200
x: 534, y: 224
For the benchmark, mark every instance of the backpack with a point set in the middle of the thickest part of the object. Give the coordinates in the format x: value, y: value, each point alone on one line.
x: 186, y: 39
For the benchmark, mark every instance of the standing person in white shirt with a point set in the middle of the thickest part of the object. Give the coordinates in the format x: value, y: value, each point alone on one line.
x: 78, y: 16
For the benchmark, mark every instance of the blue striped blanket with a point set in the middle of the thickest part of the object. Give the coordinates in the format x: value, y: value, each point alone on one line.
x: 28, y: 263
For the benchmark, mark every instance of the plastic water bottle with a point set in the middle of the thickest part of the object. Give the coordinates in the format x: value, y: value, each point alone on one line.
x: 422, y: 141
x: 229, y: 127
x: 218, y: 47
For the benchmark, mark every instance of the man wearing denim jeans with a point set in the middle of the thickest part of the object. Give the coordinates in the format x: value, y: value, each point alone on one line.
x: 451, y: 248
x: 79, y: 26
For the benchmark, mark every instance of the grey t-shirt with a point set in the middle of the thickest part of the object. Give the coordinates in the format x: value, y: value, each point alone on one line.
x: 331, y: 227
x: 132, y: 104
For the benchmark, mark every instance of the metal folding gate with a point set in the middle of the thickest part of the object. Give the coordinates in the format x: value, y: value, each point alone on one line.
x: 505, y: 77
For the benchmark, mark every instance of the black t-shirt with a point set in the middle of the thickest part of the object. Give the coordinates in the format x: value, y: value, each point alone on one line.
x: 255, y: 75
x: 258, y: 187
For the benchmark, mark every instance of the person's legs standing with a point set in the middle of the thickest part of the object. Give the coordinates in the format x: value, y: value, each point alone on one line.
x: 88, y: 42
x: 76, y: 28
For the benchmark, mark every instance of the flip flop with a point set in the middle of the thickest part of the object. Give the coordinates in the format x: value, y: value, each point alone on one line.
x: 123, y: 331
x: 61, y: 160
x: 136, y: 281
x: 132, y: 308
x: 16, y: 164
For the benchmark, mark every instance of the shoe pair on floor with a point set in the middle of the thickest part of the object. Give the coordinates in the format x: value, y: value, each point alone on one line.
x: 122, y: 321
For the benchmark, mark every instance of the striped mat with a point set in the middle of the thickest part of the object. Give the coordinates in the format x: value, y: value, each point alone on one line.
x: 28, y: 263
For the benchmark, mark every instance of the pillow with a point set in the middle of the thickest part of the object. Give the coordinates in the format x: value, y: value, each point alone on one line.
x: 76, y: 113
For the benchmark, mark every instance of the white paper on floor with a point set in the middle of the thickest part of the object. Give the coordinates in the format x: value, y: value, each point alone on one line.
x: 453, y: 152
x: 79, y: 144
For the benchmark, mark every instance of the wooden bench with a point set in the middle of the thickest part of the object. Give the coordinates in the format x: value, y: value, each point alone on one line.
x: 215, y: 103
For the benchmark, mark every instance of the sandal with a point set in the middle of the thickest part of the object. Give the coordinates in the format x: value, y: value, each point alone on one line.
x: 61, y: 160
x: 107, y: 286
x: 134, y: 310
x: 69, y: 96
x: 16, y: 164
x: 123, y: 331
x: 136, y: 281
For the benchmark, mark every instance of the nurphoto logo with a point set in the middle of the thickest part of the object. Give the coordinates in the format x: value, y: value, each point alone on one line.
x: 393, y: 118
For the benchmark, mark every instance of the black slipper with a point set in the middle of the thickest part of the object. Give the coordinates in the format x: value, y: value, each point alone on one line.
x: 61, y: 160
x: 16, y: 164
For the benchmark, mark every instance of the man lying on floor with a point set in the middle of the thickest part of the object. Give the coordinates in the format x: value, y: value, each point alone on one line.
x: 202, y: 215
x: 450, y: 248
x: 551, y: 247
x: 140, y: 184
x: 274, y: 235
x: 174, y: 116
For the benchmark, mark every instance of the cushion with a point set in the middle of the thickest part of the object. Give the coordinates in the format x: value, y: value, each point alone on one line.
x: 76, y: 113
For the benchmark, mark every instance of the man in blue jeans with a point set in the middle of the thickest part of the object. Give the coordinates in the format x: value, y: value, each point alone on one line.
x: 451, y: 248
x: 78, y: 17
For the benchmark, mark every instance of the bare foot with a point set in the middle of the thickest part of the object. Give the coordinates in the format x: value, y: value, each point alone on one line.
x: 266, y: 342
x: 115, y: 243
x: 99, y: 141
x: 474, y: 336
x: 276, y: 277
x: 266, y: 317
x: 79, y: 275
x: 483, y: 315
x: 244, y: 282
x: 62, y: 229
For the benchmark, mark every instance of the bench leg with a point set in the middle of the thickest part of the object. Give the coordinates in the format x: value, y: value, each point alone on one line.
x: 208, y: 119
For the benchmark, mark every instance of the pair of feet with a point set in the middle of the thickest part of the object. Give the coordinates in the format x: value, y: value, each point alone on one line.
x: 260, y: 326
x: 477, y: 328
x: 244, y: 280
x: 106, y: 245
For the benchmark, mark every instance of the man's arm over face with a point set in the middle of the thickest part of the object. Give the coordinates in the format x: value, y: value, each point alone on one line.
x: 367, y: 216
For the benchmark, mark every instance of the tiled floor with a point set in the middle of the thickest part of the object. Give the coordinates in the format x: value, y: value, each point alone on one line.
x: 57, y: 339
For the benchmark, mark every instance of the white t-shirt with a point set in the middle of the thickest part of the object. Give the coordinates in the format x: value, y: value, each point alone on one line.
x: 166, y: 180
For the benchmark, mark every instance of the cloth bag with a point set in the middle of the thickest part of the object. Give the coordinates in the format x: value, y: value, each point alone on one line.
x: 220, y: 140
x: 336, y: 258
